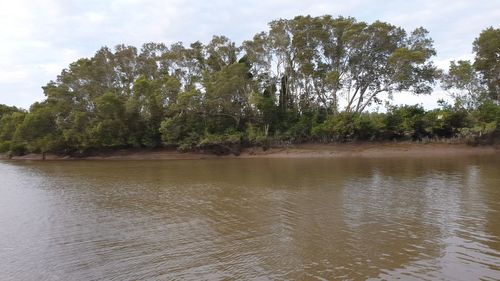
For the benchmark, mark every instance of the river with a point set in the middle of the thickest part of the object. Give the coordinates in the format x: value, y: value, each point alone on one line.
x: 346, y: 218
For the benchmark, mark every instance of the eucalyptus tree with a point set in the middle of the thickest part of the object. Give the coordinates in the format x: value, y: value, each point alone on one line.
x: 336, y: 37
x: 487, y: 60
x: 319, y: 59
x: 73, y: 99
x: 283, y: 61
x: 186, y: 64
x: 301, y: 76
x: 151, y: 60
x: 228, y: 93
x: 382, y: 58
x: 126, y: 69
x: 221, y: 52
x: 156, y: 96
x: 474, y: 83
x: 464, y: 84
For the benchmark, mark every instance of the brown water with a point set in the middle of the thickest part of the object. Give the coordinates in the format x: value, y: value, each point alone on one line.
x: 253, y: 219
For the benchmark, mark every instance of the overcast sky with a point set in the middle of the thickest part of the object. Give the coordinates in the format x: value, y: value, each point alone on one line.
x: 41, y: 37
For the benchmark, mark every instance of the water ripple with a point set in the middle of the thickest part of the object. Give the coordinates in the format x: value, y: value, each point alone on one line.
x: 257, y: 219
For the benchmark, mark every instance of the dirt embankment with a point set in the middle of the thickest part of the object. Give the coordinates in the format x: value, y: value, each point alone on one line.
x: 372, y: 150
x: 293, y: 151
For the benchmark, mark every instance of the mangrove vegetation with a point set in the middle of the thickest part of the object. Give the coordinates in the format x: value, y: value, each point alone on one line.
x: 306, y: 79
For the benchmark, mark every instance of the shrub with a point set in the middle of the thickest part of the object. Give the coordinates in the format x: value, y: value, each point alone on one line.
x: 4, y: 146
x: 17, y: 148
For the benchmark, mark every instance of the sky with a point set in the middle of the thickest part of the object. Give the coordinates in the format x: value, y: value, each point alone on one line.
x: 39, y: 38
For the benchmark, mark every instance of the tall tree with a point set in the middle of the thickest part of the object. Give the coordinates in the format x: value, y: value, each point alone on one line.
x: 487, y: 60
x: 464, y: 84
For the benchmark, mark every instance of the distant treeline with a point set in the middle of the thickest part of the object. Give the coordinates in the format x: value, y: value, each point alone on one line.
x: 305, y: 79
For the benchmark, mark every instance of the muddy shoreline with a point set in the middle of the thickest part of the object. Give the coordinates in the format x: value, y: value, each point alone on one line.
x: 389, y: 149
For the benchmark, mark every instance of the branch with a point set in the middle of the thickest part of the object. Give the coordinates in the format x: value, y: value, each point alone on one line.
x: 370, y: 98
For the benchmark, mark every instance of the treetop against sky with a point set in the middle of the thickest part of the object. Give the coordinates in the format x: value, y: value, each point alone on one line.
x: 40, y: 38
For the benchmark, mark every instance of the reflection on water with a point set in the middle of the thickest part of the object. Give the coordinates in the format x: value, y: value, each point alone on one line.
x: 265, y: 219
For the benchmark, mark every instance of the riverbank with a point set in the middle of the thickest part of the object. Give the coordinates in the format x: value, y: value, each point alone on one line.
x: 389, y: 149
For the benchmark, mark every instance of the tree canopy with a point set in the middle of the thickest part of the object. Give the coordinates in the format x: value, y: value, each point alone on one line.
x: 306, y: 78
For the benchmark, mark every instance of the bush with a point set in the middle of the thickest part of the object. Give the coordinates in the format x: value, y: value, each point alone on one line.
x: 17, y: 148
x: 346, y: 126
x: 487, y: 112
x: 368, y: 126
x: 189, y: 142
x: 4, y: 146
x: 255, y: 136
x: 406, y: 122
x: 227, y: 143
x: 337, y: 127
x: 446, y: 123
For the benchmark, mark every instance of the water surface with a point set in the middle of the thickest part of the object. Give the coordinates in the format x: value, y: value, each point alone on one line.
x: 251, y: 219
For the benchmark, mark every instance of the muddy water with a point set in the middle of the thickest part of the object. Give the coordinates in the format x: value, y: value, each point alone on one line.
x: 251, y: 219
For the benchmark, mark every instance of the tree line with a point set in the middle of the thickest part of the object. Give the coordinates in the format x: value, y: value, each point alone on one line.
x: 304, y: 79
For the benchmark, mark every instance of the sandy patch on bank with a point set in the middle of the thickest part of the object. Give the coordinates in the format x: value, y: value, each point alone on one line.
x: 371, y: 150
x: 294, y: 151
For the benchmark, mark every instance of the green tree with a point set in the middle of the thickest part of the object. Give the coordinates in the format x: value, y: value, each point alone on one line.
x: 384, y: 59
x: 5, y: 110
x: 38, y: 131
x: 464, y: 84
x: 487, y: 60
x: 108, y: 129
x: 406, y: 122
x: 10, y: 120
x: 186, y: 123
x: 227, y: 97
x: 286, y: 84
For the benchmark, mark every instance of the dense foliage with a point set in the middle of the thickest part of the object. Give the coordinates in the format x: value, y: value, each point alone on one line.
x: 305, y: 79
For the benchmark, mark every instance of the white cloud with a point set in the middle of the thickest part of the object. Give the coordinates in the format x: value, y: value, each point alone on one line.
x: 50, y: 68
x: 95, y: 18
x: 13, y: 76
